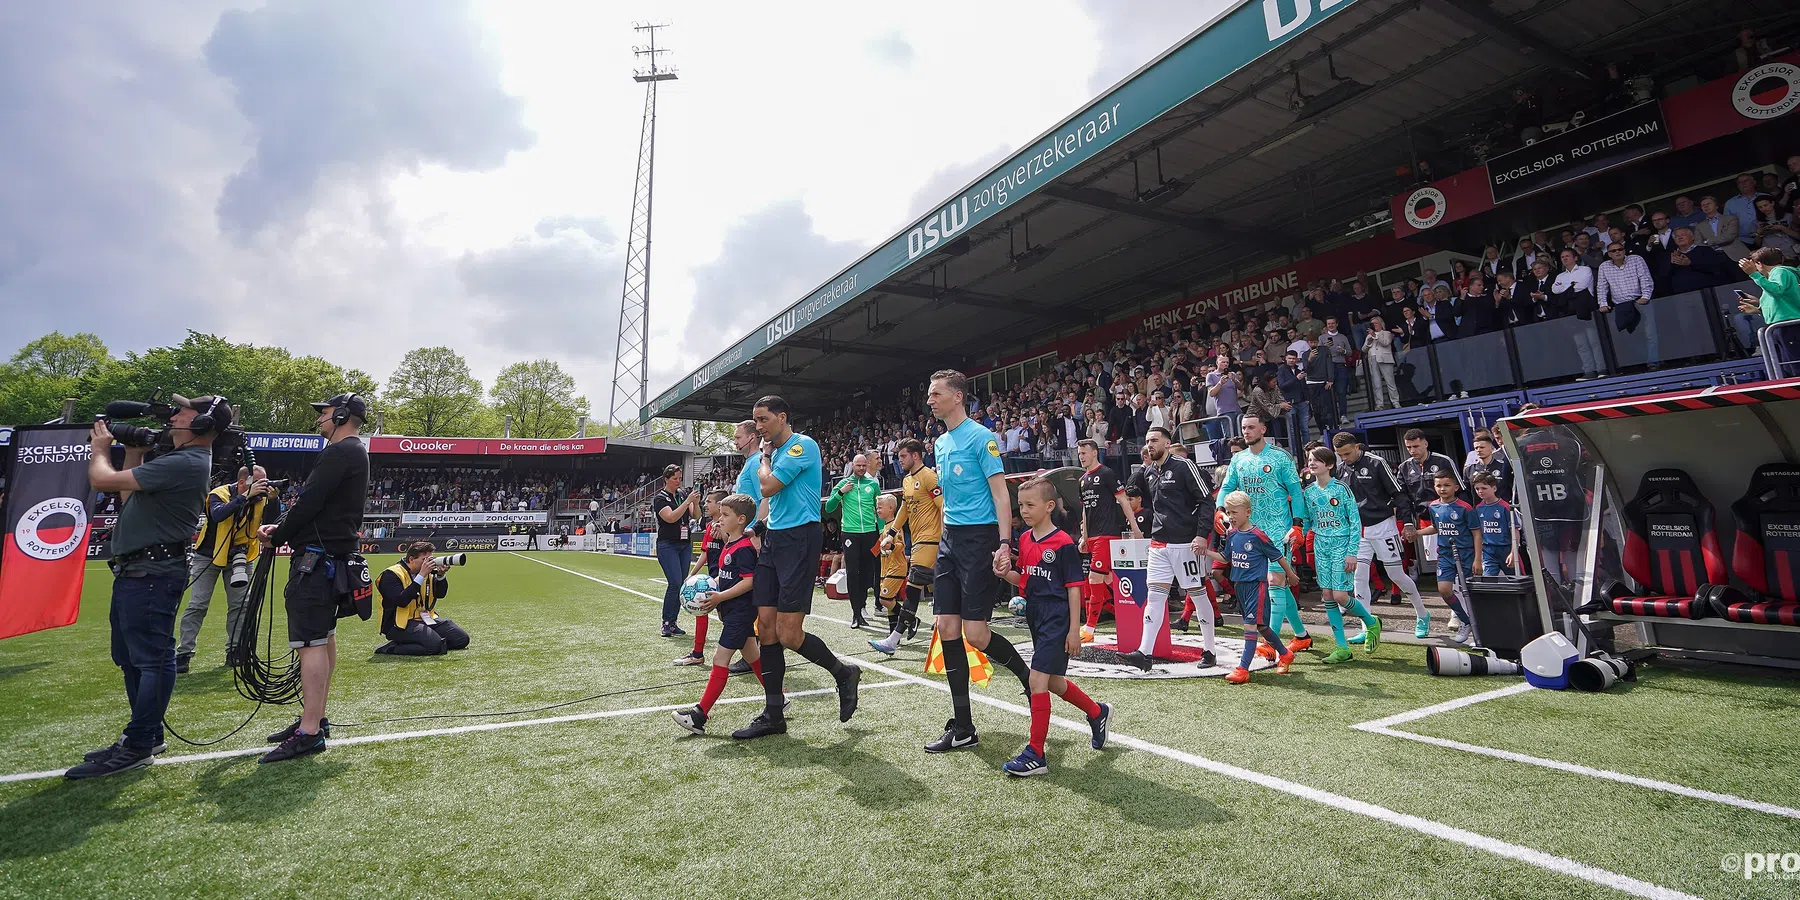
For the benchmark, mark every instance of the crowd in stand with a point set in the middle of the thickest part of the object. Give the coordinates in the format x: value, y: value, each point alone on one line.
x: 465, y: 488
x: 1298, y: 362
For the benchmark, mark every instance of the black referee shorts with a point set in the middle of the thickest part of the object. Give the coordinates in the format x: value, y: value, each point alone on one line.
x: 965, y: 584
x: 787, y: 568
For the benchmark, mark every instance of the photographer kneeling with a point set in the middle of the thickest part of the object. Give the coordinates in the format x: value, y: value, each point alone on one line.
x: 227, y: 540
x: 410, y: 590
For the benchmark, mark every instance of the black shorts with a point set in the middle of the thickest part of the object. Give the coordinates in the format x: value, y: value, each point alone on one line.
x: 787, y: 567
x: 1049, y: 635
x: 965, y: 582
x: 737, y: 621
x: 311, y: 602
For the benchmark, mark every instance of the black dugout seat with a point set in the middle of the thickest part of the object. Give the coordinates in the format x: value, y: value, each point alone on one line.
x: 1671, y: 548
x: 1766, y: 555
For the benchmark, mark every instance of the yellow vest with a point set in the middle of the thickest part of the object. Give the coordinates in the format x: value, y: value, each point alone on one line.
x: 233, y: 532
x: 424, y: 602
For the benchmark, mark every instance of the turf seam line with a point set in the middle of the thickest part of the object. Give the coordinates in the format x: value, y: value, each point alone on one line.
x: 1495, y: 846
x: 1384, y: 727
x: 459, y: 729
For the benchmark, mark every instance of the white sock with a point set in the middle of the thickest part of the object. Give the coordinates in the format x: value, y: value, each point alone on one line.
x: 1204, y: 611
x: 1397, y: 574
x: 1154, y: 608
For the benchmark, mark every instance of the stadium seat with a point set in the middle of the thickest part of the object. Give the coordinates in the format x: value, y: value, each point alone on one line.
x: 1767, y: 552
x: 1671, y: 548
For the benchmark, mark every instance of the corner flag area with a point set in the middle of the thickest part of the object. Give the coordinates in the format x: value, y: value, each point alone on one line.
x: 1358, y: 780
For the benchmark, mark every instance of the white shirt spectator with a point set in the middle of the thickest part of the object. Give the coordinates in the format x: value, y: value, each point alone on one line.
x: 1580, y: 278
x: 1300, y: 347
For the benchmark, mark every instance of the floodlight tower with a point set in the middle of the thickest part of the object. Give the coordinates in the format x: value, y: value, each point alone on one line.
x: 631, y: 358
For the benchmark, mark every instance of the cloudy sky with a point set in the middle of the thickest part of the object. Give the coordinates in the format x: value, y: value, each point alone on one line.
x: 356, y: 178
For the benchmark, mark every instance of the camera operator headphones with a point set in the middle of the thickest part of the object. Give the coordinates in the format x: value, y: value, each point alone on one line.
x: 341, y: 413
x: 204, y: 423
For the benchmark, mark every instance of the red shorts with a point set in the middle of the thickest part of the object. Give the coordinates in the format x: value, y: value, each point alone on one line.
x: 1099, y: 551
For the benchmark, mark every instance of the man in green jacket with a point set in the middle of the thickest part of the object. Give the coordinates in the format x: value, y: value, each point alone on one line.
x: 1780, y: 303
x: 855, y: 497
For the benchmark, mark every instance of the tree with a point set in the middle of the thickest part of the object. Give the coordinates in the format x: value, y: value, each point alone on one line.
x: 540, y: 397
x: 432, y: 394
x: 45, y: 372
x: 271, y: 389
x: 297, y: 382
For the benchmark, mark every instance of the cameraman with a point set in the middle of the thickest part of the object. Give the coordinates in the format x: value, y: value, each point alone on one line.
x: 321, y: 527
x: 163, y: 498
x: 233, y: 514
x: 410, y: 590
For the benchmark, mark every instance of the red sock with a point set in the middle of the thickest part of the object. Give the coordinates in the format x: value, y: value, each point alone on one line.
x: 1080, y: 699
x: 1212, y: 596
x: 1097, y: 595
x: 756, y: 669
x: 1187, y: 606
x: 1040, y: 721
x: 715, y: 685
x: 700, y: 634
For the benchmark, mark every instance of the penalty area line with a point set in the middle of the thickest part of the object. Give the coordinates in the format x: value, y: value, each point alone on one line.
x: 1507, y: 850
x: 1385, y: 728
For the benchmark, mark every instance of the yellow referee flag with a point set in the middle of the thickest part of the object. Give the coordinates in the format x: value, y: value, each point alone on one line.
x: 980, y: 670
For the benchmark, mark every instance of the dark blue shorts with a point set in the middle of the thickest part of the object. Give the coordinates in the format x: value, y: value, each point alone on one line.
x: 1253, y: 601
x: 737, y: 622
x: 1049, y: 623
x: 1447, y: 563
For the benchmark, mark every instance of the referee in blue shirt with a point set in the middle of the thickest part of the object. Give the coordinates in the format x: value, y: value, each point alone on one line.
x: 977, y: 532
x: 788, y: 473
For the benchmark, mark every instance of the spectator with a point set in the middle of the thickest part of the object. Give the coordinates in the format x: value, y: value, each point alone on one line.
x: 1291, y: 377
x: 1719, y: 230
x: 1440, y: 314
x: 1685, y: 213
x: 1573, y: 290
x: 1320, y: 391
x: 1694, y: 266
x: 1411, y: 329
x: 1774, y: 229
x: 1625, y: 280
x: 1479, y: 313
x: 1742, y: 206
x: 1492, y: 265
x: 1223, y: 385
x: 1267, y: 404
x: 1378, y: 356
x: 1308, y: 326
x: 1780, y: 303
x: 1511, y: 301
x: 1339, y: 348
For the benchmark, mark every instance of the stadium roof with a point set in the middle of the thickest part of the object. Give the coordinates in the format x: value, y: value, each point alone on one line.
x: 1251, y: 143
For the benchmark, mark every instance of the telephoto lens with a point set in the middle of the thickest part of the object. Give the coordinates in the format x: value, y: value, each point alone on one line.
x: 132, y: 435
x: 238, y: 573
x: 453, y: 559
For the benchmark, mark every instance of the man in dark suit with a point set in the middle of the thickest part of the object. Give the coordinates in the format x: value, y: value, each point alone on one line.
x: 1693, y: 267
x: 1479, y: 314
x: 1511, y: 301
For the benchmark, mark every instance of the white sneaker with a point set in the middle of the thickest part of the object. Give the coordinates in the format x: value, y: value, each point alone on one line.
x: 887, y: 645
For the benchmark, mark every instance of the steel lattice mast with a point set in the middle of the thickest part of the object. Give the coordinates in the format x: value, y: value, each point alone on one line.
x: 631, y: 358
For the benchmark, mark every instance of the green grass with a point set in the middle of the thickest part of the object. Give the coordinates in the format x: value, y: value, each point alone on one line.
x: 630, y: 806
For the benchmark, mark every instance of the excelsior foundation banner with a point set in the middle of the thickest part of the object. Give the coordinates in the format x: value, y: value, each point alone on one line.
x: 46, y: 513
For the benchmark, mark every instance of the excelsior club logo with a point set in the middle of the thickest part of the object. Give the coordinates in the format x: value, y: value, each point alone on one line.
x: 52, y: 529
x: 1425, y: 207
x: 1767, y: 91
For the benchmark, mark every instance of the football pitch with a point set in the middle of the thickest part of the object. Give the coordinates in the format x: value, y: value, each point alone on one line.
x: 1368, y: 779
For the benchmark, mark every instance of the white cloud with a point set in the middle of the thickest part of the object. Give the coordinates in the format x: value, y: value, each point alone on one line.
x: 317, y: 173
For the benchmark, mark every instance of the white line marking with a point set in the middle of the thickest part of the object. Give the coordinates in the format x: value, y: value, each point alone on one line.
x: 460, y: 729
x: 1445, y: 707
x: 1385, y: 727
x: 1507, y: 850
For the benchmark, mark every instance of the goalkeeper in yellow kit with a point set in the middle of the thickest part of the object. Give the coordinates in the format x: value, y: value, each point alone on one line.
x: 921, y: 519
